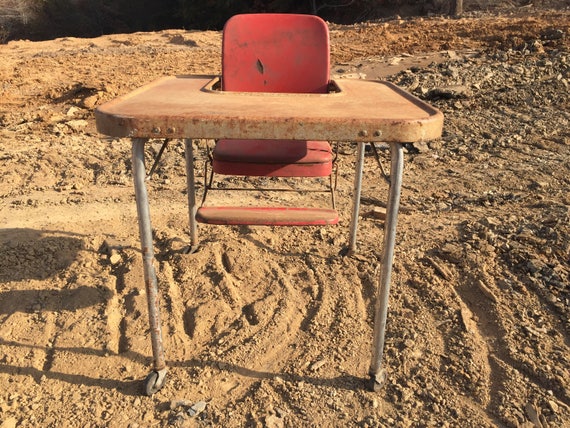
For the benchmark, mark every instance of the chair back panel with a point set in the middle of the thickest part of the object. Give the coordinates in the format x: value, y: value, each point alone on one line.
x: 275, y: 53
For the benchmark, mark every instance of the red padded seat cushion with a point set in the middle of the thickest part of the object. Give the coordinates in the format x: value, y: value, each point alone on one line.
x: 286, y: 158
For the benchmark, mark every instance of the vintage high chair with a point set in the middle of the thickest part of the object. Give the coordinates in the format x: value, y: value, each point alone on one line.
x: 191, y: 107
x: 273, y: 53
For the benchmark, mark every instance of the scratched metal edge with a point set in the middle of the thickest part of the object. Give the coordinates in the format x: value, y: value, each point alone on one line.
x: 172, y: 126
x: 395, y: 131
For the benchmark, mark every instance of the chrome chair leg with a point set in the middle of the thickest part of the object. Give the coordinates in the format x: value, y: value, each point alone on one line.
x: 191, y: 187
x: 156, y: 378
x: 356, y: 191
x: 377, y: 374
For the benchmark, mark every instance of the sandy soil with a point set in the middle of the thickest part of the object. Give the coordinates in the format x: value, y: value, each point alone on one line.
x: 272, y: 327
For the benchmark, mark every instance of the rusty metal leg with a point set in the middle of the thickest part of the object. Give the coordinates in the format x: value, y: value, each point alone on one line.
x: 191, y: 185
x: 356, y: 190
x: 377, y: 374
x: 155, y: 380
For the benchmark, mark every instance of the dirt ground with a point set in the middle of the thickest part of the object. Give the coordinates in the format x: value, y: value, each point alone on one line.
x: 271, y: 327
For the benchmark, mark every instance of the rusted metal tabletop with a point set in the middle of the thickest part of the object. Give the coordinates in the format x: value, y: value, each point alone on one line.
x: 190, y: 107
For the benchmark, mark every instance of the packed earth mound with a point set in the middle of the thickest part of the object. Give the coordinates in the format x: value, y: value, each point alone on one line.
x: 272, y: 327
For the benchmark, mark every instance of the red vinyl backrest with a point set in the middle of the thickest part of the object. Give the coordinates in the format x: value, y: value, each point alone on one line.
x: 275, y: 53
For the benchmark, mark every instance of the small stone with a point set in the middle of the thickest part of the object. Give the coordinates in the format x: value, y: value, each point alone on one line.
x: 379, y: 213
x: 77, y: 125
x: 110, y: 246
x: 318, y: 364
x: 9, y: 423
x: 72, y: 111
x: 532, y: 413
x: 197, y: 408
x: 421, y: 146
x: 115, y: 258
x: 175, y: 404
x: 273, y: 421
x: 553, y: 406
x: 91, y: 101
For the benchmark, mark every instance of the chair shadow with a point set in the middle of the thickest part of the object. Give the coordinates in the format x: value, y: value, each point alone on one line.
x: 135, y: 387
x: 29, y: 254
x: 345, y: 382
x: 36, y: 254
x: 127, y: 387
x: 23, y: 250
x: 53, y: 300
x: 42, y: 254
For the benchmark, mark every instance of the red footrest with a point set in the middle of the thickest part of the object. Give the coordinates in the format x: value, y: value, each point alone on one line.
x: 267, y: 216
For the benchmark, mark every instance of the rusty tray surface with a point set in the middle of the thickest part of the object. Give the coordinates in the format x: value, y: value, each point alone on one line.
x: 191, y: 107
